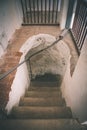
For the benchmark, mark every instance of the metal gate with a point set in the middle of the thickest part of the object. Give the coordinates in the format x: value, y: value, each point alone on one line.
x: 79, y: 29
x: 36, y: 12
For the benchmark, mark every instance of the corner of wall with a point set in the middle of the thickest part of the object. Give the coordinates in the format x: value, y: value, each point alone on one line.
x: 64, y: 10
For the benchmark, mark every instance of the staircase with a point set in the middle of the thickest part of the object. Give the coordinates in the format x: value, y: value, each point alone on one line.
x: 42, y: 108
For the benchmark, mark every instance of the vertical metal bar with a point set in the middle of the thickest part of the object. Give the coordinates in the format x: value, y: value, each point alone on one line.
x: 49, y: 12
x: 56, y: 11
x: 53, y: 12
x: 23, y: 11
x: 41, y: 11
x: 27, y: 19
x: 30, y: 10
x: 38, y: 9
x: 34, y: 11
x: 45, y: 10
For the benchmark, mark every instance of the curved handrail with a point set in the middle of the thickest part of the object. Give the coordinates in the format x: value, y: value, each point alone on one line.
x: 2, y: 76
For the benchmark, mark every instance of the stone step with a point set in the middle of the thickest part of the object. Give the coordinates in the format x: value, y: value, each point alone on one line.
x: 44, y: 89
x: 41, y: 112
x: 43, y: 84
x: 50, y: 101
x: 44, y: 94
x: 40, y: 124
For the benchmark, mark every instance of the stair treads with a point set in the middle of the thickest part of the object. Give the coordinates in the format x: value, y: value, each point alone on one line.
x: 41, y: 112
x: 44, y: 89
x: 43, y: 84
x: 51, y: 101
x: 40, y: 124
x: 43, y: 94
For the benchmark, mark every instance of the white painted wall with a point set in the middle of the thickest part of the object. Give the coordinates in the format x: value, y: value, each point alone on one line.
x: 73, y: 15
x: 75, y: 88
x: 22, y: 79
x: 10, y: 20
x: 63, y: 14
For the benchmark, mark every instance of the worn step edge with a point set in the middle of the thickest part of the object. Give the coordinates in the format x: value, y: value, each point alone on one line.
x: 43, y: 94
x: 40, y: 124
x: 41, y: 112
x: 33, y: 101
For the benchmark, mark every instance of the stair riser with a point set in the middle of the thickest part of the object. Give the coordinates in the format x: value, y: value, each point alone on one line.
x: 44, y: 84
x: 36, y: 88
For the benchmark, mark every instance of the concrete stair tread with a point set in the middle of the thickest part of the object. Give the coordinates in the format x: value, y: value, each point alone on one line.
x: 43, y: 94
x: 36, y: 101
x: 44, y: 88
x: 41, y: 112
x: 40, y: 124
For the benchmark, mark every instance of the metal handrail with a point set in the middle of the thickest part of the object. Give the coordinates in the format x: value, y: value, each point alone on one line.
x: 2, y: 76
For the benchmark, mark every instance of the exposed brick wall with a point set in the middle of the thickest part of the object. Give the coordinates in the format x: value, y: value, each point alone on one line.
x: 10, y: 60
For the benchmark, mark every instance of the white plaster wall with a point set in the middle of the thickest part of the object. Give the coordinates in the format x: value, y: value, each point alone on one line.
x: 73, y: 15
x: 75, y: 88
x: 10, y: 20
x: 64, y: 10
x: 22, y: 79
x: 19, y: 86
